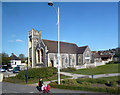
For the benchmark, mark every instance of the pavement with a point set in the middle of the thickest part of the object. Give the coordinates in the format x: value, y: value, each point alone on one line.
x: 18, y: 88
x: 75, y: 76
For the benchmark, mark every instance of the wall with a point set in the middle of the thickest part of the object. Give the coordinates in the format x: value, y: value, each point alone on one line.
x: 66, y: 60
x: 18, y: 62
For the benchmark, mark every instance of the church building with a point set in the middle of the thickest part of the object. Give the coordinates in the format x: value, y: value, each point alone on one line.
x: 44, y: 53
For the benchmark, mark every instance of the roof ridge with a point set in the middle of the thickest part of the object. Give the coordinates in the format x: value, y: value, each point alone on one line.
x: 83, y: 46
x: 60, y: 41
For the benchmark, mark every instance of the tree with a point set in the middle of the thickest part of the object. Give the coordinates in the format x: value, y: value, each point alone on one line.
x: 5, y: 59
x: 22, y: 57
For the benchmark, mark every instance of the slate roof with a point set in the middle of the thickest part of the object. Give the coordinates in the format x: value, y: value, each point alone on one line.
x: 81, y: 50
x: 65, y: 47
x: 14, y: 57
x: 96, y: 55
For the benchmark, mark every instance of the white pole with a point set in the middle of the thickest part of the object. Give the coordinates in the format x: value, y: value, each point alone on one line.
x: 58, y: 51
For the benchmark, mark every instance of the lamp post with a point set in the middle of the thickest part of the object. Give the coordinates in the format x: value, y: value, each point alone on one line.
x: 51, y: 4
x: 26, y: 69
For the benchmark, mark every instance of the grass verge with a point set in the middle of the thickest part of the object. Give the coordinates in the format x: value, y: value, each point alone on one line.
x: 87, y: 85
x: 105, y: 69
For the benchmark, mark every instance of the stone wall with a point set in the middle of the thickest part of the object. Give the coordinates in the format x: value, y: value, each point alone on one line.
x: 66, y: 60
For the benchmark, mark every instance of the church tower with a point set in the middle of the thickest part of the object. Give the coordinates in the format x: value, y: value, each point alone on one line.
x: 33, y: 39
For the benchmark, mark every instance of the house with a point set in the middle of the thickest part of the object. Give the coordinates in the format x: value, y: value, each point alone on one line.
x: 102, y: 56
x: 15, y: 61
x: 44, y: 53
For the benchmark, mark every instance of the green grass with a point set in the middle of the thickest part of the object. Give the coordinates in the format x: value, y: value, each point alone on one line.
x: 115, y: 78
x: 105, y: 69
x: 32, y: 80
x: 86, y: 84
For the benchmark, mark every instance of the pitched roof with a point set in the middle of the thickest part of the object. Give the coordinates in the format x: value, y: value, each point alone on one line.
x: 81, y: 50
x: 96, y: 55
x: 65, y: 47
x: 14, y: 57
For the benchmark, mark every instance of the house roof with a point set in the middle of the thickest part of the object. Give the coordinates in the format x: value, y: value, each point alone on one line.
x: 14, y: 57
x: 65, y: 47
x: 96, y: 55
x: 80, y: 50
x: 105, y: 56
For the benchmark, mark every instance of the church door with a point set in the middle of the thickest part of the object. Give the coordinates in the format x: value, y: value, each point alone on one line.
x: 51, y: 63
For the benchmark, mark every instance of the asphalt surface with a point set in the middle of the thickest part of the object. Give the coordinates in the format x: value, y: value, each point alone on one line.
x: 18, y: 88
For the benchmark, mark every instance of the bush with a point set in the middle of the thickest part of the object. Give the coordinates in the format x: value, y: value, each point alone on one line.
x: 111, y: 83
x: 86, y: 83
x: 69, y: 69
x: 37, y: 73
x: 69, y: 81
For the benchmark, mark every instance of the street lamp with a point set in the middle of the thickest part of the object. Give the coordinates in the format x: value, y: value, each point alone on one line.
x: 26, y: 69
x: 51, y: 4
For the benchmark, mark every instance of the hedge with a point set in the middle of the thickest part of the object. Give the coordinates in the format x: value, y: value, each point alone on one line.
x: 37, y: 73
x: 69, y: 69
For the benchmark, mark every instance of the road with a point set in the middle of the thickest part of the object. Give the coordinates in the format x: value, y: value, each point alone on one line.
x: 18, y: 88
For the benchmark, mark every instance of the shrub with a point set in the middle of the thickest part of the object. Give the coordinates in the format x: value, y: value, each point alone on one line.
x: 37, y: 73
x: 86, y: 83
x: 69, y: 69
x: 111, y: 83
x: 69, y: 81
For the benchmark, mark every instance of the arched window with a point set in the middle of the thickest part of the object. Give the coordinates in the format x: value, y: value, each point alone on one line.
x: 37, y: 56
x: 66, y: 60
x: 41, y: 56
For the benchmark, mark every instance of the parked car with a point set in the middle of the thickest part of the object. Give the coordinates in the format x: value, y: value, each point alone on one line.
x: 2, y: 70
x: 10, y: 69
x: 16, y: 70
x: 5, y: 67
